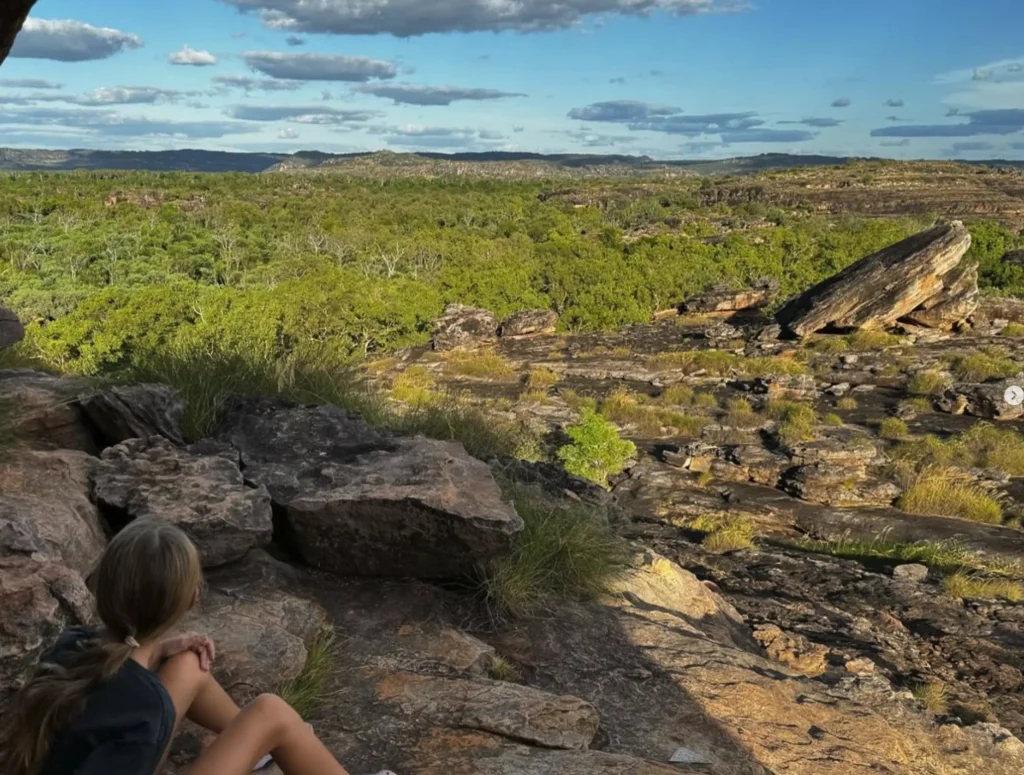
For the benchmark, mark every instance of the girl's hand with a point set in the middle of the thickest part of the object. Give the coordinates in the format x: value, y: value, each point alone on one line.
x: 198, y: 644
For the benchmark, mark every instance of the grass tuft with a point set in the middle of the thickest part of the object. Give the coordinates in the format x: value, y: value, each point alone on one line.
x: 984, y: 366
x: 927, y: 383
x: 1013, y: 329
x: 627, y: 408
x: 482, y: 364
x: 942, y: 556
x: 724, y: 534
x: 305, y: 693
x: 933, y: 694
x: 863, y: 341
x: 796, y: 420
x: 833, y: 420
x: 945, y: 492
x: 740, y: 414
x: 847, y: 403
x: 503, y: 669
x: 540, y: 380
x: 563, y: 552
x: 893, y: 429
x: 964, y: 586
x: 414, y: 386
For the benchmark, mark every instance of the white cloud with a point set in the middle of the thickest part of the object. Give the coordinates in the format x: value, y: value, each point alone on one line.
x: 407, y: 18
x: 288, y: 134
x: 192, y: 57
x: 319, y: 67
x: 109, y: 122
x: 131, y: 95
x: 65, y: 40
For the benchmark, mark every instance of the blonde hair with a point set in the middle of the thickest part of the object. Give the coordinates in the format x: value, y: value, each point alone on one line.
x: 147, y: 580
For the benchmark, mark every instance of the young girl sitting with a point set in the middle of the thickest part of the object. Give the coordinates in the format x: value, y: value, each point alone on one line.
x: 107, y: 701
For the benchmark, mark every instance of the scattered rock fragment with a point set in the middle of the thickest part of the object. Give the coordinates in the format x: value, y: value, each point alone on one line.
x: 529, y: 323
x: 136, y: 411
x: 913, y: 572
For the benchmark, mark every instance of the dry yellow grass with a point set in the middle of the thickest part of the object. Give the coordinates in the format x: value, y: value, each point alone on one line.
x: 962, y: 585
x: 945, y: 492
x: 481, y: 364
x: 933, y: 694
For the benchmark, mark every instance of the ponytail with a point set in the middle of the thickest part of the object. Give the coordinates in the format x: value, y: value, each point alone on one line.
x: 50, y: 700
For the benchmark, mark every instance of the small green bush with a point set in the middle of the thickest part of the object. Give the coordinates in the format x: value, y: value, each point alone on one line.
x: 847, y: 403
x: 563, y: 552
x: 596, y: 451
x: 833, y: 420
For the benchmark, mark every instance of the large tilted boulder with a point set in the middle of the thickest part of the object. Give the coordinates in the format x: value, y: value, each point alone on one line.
x: 877, y: 291
x: 136, y: 411
x: 198, y: 488
x: 461, y: 327
x: 954, y: 305
x: 529, y: 322
x: 40, y: 599
x: 11, y: 329
x: 45, y: 510
x: 360, y: 501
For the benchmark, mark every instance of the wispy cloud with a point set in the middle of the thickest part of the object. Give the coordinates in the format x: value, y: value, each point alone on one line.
x: 414, y: 94
x: 842, y: 102
x: 303, y: 114
x: 247, y: 84
x: 894, y: 103
x: 981, y: 122
x: 319, y: 67
x: 29, y: 83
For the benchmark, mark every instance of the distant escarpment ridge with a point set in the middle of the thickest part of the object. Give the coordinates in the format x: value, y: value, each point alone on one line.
x: 505, y: 164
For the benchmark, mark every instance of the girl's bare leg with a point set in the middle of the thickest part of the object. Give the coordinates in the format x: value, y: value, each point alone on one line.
x: 267, y: 725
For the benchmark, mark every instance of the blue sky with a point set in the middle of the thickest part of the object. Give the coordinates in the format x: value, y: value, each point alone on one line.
x: 666, y: 78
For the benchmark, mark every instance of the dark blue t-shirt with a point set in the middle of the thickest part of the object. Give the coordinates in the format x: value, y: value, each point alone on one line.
x: 125, y: 727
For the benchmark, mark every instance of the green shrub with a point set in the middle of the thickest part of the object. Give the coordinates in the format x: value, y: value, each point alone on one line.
x: 927, y: 383
x: 596, y: 451
x: 944, y: 493
x: 1013, y: 329
x: 833, y: 420
x: 893, y: 428
x: 563, y: 552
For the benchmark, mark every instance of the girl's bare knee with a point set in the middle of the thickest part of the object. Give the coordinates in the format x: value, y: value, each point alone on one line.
x: 275, y: 715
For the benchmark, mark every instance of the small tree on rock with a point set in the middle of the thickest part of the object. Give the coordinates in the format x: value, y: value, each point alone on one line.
x: 597, y: 452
